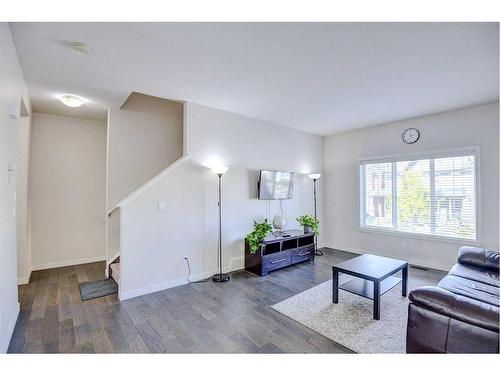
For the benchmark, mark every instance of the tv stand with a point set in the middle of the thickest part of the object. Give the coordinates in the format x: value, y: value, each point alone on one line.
x: 281, y: 234
x: 277, y: 252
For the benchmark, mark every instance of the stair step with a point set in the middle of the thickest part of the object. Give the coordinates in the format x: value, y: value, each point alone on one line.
x: 115, y: 272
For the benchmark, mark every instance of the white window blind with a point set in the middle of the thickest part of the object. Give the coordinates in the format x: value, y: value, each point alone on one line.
x: 433, y: 196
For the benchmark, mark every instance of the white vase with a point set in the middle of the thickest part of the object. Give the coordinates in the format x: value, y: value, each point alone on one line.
x: 279, y: 222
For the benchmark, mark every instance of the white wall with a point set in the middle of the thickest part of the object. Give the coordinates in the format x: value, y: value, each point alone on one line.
x: 144, y: 137
x: 22, y: 201
x: 67, y: 191
x: 474, y: 126
x: 153, y: 243
x: 12, y: 90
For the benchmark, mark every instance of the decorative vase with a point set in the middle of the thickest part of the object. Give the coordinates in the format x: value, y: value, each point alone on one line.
x: 307, y: 229
x: 279, y: 222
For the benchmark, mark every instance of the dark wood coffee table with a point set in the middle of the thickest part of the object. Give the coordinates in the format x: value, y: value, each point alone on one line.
x: 373, y: 278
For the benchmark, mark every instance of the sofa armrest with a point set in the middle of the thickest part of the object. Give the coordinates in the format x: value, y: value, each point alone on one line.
x: 475, y: 256
x: 455, y: 306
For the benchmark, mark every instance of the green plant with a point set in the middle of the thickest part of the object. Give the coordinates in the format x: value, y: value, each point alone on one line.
x: 414, y: 202
x: 309, y: 221
x: 257, y: 235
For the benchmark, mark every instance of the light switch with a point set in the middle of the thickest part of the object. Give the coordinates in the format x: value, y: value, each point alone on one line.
x: 162, y: 205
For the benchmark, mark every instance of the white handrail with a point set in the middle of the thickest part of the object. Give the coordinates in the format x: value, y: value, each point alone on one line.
x: 146, y: 185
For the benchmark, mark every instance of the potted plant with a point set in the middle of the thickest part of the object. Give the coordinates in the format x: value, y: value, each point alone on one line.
x: 310, y: 224
x: 257, y: 235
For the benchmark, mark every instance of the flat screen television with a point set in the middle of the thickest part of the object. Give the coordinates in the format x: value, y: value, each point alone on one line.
x: 275, y: 185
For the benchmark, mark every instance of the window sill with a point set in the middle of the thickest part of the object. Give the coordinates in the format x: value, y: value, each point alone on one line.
x: 427, y: 237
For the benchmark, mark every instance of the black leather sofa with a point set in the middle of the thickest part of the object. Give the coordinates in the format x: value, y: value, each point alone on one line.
x: 461, y: 313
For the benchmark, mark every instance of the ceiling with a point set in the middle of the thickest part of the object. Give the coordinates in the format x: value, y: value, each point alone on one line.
x: 322, y: 78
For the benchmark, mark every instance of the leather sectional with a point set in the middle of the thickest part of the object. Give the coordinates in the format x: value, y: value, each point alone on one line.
x: 461, y: 313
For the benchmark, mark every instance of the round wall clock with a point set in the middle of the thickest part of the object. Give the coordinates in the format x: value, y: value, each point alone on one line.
x: 411, y: 135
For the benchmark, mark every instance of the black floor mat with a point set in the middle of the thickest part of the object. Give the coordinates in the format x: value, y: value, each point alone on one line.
x: 98, y: 288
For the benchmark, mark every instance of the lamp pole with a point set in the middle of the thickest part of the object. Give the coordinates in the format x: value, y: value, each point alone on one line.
x: 314, y: 177
x: 316, y: 251
x: 220, y: 277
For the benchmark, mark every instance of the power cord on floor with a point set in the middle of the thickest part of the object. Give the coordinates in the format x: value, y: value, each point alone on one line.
x: 189, y: 274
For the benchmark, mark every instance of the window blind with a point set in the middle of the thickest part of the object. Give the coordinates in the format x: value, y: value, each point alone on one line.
x: 433, y: 196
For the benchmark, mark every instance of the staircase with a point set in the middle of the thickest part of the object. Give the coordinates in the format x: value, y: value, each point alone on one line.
x: 115, y: 272
x: 145, y: 138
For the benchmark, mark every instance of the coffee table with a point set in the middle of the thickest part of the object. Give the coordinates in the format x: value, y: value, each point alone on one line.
x: 373, y: 277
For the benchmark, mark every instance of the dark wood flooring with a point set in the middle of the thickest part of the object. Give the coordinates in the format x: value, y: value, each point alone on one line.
x: 209, y: 317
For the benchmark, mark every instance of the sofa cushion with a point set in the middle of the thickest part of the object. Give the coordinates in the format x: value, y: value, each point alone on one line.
x: 475, y: 273
x: 471, y: 289
x: 477, y: 257
x: 456, y: 306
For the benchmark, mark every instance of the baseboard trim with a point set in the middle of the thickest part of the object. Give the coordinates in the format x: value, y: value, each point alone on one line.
x: 167, y: 285
x: 65, y: 263
x: 4, y: 345
x: 410, y: 261
x: 24, y: 280
x: 161, y: 286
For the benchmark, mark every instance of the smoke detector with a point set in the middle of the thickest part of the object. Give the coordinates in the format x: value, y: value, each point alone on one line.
x: 80, y: 48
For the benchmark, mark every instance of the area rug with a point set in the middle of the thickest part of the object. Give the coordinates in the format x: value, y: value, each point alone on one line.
x: 350, y: 322
x: 98, y: 288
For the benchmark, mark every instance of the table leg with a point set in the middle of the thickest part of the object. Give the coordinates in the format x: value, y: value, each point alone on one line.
x: 376, y: 300
x: 335, y: 286
x: 405, y: 281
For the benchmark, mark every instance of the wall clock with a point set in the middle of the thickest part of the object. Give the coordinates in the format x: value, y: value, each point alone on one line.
x: 411, y: 135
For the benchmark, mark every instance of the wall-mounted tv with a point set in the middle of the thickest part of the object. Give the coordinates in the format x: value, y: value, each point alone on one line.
x: 275, y: 185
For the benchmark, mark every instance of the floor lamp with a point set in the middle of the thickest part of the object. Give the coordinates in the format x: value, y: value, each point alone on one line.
x: 220, y: 277
x: 314, y: 177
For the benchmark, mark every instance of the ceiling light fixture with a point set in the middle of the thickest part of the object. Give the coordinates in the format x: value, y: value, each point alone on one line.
x: 71, y: 100
x: 80, y: 48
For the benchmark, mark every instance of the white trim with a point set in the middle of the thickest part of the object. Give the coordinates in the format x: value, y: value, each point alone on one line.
x: 413, y: 262
x: 65, y: 263
x: 106, y: 218
x: 360, y: 201
x: 167, y: 284
x: 5, y: 340
x: 394, y: 189
x: 184, y: 129
x: 420, y: 236
x: 24, y: 280
x: 146, y: 185
x: 124, y: 295
x: 474, y: 150
x: 461, y: 151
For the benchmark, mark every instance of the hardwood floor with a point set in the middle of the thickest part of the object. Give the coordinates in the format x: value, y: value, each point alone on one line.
x: 232, y: 317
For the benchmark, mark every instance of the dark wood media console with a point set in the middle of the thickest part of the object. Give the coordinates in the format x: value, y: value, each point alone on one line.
x: 277, y: 252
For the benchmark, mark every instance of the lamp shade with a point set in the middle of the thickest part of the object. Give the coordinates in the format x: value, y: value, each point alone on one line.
x: 219, y: 169
x: 314, y: 176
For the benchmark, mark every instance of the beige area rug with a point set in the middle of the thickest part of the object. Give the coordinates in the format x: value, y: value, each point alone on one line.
x: 350, y: 322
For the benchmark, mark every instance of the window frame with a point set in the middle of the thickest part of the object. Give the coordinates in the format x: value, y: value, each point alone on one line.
x: 456, y: 152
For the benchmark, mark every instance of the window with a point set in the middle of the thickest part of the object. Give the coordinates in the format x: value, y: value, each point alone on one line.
x: 432, y: 195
